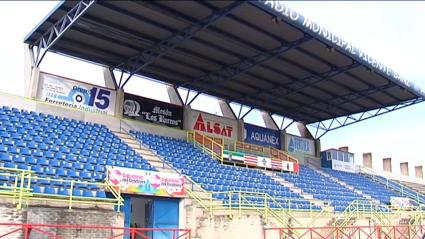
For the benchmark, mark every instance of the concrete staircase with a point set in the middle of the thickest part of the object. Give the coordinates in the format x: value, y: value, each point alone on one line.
x: 295, y: 189
x: 342, y: 183
x: 196, y: 208
x: 146, y: 153
x: 289, y: 185
x: 156, y: 160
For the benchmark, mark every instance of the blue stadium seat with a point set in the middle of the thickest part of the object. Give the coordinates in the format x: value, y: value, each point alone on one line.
x: 49, y: 190
x: 9, y: 165
x: 87, y: 193
x: 63, y: 191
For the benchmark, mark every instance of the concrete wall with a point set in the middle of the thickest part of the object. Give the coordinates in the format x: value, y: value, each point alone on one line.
x: 45, y: 215
x: 249, y: 226
x: 419, y: 172
x: 11, y: 215
x: 394, y: 176
x: 404, y: 168
x: 367, y: 160
x: 387, y: 165
x: 74, y: 217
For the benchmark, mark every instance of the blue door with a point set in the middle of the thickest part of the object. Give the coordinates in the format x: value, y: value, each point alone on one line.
x: 126, y: 209
x: 163, y: 213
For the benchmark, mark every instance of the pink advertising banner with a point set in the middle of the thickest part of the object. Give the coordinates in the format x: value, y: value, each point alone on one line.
x: 146, y: 182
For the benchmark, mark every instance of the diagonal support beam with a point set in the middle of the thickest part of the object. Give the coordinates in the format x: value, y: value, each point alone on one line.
x: 340, y: 122
x: 229, y: 72
x: 328, y: 104
x: 296, y: 85
x: 147, y: 56
x: 51, y: 36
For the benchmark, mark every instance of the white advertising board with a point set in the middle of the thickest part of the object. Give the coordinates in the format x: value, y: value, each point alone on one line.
x: 298, y: 145
x: 401, y: 203
x: 77, y: 95
x: 213, y: 125
x: 343, y: 166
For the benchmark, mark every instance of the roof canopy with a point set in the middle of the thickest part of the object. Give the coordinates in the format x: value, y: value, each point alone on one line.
x: 261, y: 54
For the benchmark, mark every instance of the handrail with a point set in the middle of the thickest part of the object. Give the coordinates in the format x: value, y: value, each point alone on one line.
x: 399, y: 188
x: 272, y: 152
x: 141, y: 146
x: 251, y: 148
x: 359, y: 208
x: 211, y: 205
x: 282, y: 155
x: 326, y: 208
x: 164, y: 162
x: 207, y: 144
x: 21, y: 190
x: 355, y: 209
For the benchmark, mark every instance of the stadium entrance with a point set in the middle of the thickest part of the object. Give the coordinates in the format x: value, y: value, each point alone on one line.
x: 151, y: 212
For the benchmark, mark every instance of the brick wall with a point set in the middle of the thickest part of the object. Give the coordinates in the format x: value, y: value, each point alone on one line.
x: 8, y: 214
x: 46, y: 215
x: 74, y: 217
x: 249, y: 226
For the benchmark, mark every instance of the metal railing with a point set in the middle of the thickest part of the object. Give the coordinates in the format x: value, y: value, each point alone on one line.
x: 348, y: 232
x: 206, y: 144
x: 272, y: 206
x: 384, y: 215
x: 27, y: 230
x: 403, y: 190
x: 154, y: 153
x: 21, y: 191
x: 247, y: 201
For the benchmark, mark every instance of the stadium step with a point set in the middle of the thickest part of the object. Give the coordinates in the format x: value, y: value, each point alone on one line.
x: 151, y: 156
x: 292, y: 187
x: 366, y: 196
x: 157, y: 161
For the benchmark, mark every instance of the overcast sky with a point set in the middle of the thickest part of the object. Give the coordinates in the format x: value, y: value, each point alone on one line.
x: 391, y: 32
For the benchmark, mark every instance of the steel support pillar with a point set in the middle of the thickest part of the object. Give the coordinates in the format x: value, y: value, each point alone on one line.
x: 174, y: 95
x: 109, y: 77
x: 147, y: 56
x: 226, y: 109
x: 340, y: 122
x: 304, y: 132
x: 269, y: 121
x: 229, y: 72
x: 50, y: 37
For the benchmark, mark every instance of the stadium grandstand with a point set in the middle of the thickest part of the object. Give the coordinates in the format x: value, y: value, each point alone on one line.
x: 84, y: 161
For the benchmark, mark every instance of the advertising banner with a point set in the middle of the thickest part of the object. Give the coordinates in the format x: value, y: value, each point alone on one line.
x: 77, y: 95
x: 298, y: 145
x: 233, y: 156
x: 146, y: 182
x: 343, y: 166
x: 401, y: 203
x: 259, y: 161
x: 213, y: 125
x: 152, y: 111
x: 264, y: 162
x: 262, y: 136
